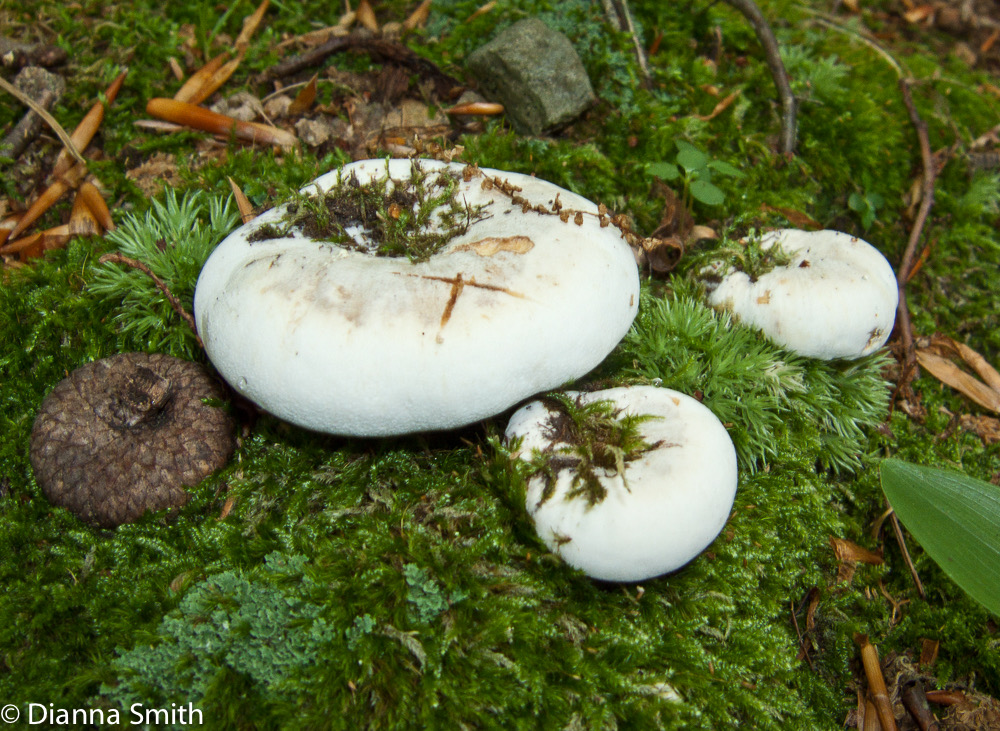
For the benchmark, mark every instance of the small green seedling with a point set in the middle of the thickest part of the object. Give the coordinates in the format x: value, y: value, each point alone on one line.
x: 866, y: 205
x: 694, y: 168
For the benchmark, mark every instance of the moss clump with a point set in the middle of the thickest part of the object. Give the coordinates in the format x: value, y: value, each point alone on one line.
x: 594, y: 436
x: 743, y: 255
x: 770, y: 399
x: 414, y: 218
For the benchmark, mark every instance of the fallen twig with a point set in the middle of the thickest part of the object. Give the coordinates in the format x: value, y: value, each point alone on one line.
x: 909, y: 363
x: 160, y: 284
x: 381, y: 48
x: 898, y: 530
x: 789, y: 105
x: 620, y: 15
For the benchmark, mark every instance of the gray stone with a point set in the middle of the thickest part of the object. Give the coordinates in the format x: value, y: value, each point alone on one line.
x: 535, y: 73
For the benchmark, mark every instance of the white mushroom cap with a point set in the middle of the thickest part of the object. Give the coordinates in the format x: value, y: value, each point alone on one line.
x: 836, y: 298
x: 346, y: 342
x: 667, y: 507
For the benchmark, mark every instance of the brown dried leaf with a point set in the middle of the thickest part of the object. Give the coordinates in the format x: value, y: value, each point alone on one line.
x: 219, y: 77
x: 928, y: 653
x: 951, y: 375
x: 662, y: 255
x: 676, y: 219
x: 700, y: 233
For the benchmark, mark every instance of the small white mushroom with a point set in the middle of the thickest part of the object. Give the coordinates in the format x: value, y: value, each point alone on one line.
x: 835, y: 298
x: 663, y: 504
x: 533, y: 289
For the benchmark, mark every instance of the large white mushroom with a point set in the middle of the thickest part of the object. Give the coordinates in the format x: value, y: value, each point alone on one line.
x: 836, y: 297
x: 616, y: 511
x: 507, y: 286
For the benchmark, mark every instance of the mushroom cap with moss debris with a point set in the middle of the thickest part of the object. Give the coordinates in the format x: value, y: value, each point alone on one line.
x: 628, y: 483
x: 398, y: 296
x: 834, y: 296
x: 125, y: 434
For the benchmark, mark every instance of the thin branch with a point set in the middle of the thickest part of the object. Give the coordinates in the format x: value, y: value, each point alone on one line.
x: 789, y: 105
x: 620, y: 15
x: 909, y: 255
x: 49, y: 119
x: 381, y: 48
x: 897, y: 529
x: 160, y: 284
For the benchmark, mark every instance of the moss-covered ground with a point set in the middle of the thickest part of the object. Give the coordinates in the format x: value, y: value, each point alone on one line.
x: 319, y: 582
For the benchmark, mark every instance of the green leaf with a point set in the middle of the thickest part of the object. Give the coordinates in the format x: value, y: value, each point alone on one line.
x: 690, y: 157
x: 856, y: 202
x: 707, y: 193
x: 957, y: 521
x: 664, y: 170
x: 724, y: 168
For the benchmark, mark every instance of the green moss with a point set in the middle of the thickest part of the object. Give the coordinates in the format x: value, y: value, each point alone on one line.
x: 593, y: 436
x: 383, y: 216
x: 772, y: 401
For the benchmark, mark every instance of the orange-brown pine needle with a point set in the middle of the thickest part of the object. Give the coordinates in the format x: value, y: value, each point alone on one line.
x: 94, y: 201
x: 481, y: 109
x: 250, y: 25
x: 191, y: 115
x: 418, y: 18
x: 88, y: 127
x: 366, y: 16
x: 199, y: 78
x: 242, y: 202
x: 82, y: 221
x: 45, y: 201
x: 304, y: 99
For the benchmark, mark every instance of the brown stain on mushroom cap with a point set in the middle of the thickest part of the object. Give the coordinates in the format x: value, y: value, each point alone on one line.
x: 123, y: 435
